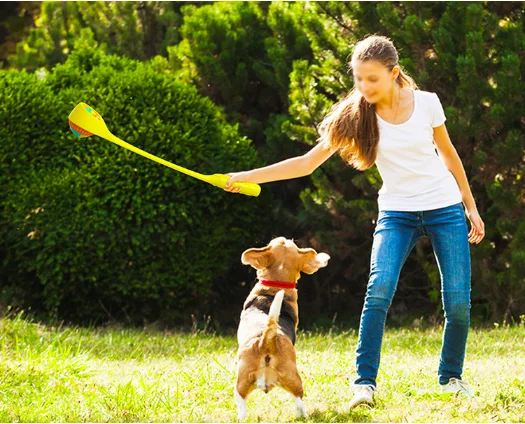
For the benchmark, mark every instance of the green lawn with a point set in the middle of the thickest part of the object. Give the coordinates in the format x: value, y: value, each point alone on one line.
x: 121, y: 375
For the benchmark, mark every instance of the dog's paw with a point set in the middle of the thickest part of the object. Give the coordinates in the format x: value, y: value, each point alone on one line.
x: 241, y: 406
x: 300, y: 408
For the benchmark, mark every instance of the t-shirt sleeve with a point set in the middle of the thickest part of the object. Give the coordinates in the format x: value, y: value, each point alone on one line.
x: 438, y: 114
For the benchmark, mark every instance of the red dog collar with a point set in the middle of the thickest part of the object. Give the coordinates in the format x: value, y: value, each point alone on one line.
x: 279, y: 284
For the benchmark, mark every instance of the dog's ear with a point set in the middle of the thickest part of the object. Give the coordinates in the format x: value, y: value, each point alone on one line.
x: 259, y: 258
x: 312, y: 261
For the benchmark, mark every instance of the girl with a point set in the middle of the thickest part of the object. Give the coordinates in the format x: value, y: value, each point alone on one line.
x: 387, y: 121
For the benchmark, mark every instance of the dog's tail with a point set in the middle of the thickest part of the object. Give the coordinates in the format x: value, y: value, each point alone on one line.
x: 273, y: 319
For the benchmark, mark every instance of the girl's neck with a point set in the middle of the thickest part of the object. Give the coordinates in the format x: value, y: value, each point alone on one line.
x: 391, y: 100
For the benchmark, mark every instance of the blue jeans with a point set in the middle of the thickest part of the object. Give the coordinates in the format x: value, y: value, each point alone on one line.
x: 395, y: 235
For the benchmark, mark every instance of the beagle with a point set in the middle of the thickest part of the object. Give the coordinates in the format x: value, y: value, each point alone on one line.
x: 266, y: 333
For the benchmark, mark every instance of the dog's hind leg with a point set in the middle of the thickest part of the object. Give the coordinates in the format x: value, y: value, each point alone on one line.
x: 294, y: 385
x: 241, y: 405
x: 300, y: 409
x: 243, y: 387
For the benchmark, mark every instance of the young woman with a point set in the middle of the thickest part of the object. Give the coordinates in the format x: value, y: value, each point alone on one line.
x: 387, y: 121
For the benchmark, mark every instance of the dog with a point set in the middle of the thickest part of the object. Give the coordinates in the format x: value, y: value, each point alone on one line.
x: 266, y: 334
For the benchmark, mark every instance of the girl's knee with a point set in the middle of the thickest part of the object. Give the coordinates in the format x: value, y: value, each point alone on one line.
x: 381, y: 289
x: 458, y: 311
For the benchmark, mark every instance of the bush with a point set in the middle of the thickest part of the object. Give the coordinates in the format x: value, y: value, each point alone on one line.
x: 91, y: 230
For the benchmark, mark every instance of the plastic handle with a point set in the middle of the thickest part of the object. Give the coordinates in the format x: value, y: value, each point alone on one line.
x: 85, y: 117
x: 249, y: 189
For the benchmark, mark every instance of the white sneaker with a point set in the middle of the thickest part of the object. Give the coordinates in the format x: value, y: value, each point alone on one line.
x: 456, y: 385
x: 363, y: 394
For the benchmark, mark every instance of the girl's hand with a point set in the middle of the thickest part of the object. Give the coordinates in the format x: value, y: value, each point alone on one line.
x: 477, y: 232
x: 236, y: 177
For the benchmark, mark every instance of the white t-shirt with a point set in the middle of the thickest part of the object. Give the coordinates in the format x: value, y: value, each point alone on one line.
x: 414, y: 177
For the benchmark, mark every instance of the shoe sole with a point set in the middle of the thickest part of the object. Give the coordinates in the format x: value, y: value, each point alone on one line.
x: 362, y: 403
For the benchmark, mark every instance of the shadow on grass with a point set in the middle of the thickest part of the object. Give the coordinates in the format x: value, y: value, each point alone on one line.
x: 362, y: 414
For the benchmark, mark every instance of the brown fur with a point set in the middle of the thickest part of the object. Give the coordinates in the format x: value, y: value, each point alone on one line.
x: 265, y: 348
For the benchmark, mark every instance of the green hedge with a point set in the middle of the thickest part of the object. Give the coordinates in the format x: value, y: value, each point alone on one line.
x: 91, y: 230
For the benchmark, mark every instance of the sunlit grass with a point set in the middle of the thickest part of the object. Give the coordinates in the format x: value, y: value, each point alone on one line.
x: 123, y: 375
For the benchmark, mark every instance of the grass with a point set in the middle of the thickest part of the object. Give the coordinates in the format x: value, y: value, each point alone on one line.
x: 124, y: 375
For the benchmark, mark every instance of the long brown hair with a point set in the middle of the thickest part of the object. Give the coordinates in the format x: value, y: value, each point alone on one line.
x: 351, y: 126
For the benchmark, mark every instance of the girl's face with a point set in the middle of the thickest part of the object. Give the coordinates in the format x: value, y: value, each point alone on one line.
x: 373, y: 80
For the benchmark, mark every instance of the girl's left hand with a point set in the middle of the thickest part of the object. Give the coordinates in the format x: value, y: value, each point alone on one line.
x: 477, y: 232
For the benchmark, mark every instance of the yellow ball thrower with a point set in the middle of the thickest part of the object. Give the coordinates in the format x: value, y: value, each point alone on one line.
x: 84, y: 121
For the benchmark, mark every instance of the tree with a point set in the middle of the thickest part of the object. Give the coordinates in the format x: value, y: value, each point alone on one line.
x: 139, y: 30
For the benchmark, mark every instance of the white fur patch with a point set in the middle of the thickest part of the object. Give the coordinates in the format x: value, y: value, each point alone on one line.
x: 275, y: 308
x: 241, y: 406
x: 300, y: 409
x: 261, y: 382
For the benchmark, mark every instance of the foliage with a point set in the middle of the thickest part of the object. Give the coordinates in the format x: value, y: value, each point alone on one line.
x: 275, y: 69
x: 93, y: 231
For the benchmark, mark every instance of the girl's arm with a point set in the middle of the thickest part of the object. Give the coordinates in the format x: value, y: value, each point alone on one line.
x: 452, y: 161
x: 298, y: 166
